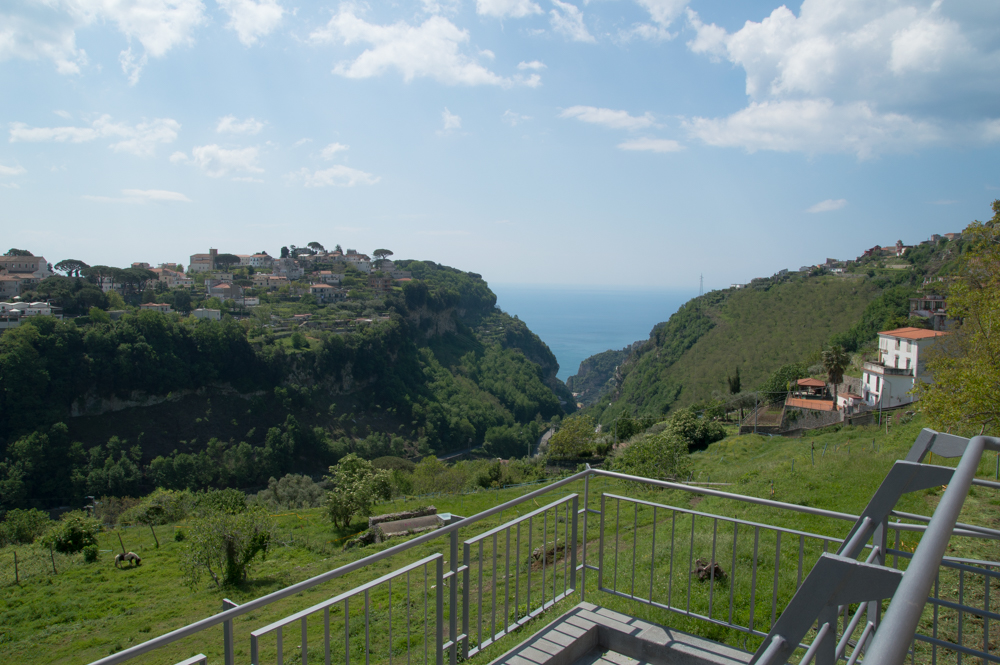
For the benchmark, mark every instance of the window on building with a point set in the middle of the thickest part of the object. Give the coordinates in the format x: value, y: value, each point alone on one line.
x: 897, y: 343
x: 878, y: 383
x: 907, y: 363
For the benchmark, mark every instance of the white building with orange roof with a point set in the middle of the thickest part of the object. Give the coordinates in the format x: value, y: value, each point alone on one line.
x: 902, y: 362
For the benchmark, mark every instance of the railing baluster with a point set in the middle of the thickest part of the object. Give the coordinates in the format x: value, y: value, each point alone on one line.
x: 575, y: 507
x: 895, y: 557
x: 390, y: 621
x: 479, y: 597
x: 777, y: 569
x: 961, y: 614
x: 802, y: 550
x: 586, y: 518
x: 326, y: 634
x: 527, y: 609
x: 732, y: 571
x: 566, y: 544
x: 517, y: 572
x: 986, y: 606
x: 711, y: 570
x: 937, y: 582
x: 670, y: 577
x: 545, y: 540
x: 690, y: 563
x: 281, y: 648
x: 753, y: 576
x: 425, y: 613
x: 506, y: 581
x: 493, y: 612
x: 453, y: 598
x: 466, y: 581
x: 600, y: 548
x: 635, y: 533
x: 347, y: 631
x: 439, y: 628
x: 407, y: 617
x: 618, y: 510
x: 652, y: 557
x: 305, y: 642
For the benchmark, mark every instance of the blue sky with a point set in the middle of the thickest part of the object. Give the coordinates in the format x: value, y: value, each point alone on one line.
x: 610, y: 143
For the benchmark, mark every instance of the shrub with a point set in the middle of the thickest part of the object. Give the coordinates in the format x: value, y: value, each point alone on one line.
x: 227, y: 545
x: 161, y: 507
x: 22, y: 527
x: 699, y: 432
x: 90, y: 553
x: 292, y: 491
x: 73, y: 532
x: 391, y: 463
x: 109, y: 509
x: 179, y: 535
x: 229, y: 501
x: 663, y: 455
x: 432, y: 475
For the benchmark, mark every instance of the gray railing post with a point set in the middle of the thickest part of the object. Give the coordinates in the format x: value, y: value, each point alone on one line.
x: 586, y: 515
x: 572, y: 552
x: 453, y: 599
x: 227, y: 634
x: 466, y: 564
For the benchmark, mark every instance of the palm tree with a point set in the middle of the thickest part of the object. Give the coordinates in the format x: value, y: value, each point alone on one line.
x: 835, y: 361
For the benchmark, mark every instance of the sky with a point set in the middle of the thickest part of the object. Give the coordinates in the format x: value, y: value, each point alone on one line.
x: 609, y: 143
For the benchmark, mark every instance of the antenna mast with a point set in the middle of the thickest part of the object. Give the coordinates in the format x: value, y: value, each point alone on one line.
x: 701, y: 285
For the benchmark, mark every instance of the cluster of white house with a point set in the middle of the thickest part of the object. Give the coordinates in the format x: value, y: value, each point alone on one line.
x: 902, y: 363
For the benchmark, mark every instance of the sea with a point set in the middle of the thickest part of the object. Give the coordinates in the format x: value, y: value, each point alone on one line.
x: 577, y: 323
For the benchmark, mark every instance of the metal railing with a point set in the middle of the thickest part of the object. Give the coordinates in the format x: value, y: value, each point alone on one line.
x: 759, y: 580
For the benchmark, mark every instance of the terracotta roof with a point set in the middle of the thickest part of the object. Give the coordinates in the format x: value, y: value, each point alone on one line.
x: 811, y: 383
x: 913, y: 333
x: 850, y: 395
x: 814, y: 404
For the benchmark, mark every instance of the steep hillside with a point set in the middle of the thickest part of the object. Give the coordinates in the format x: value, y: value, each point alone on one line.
x: 100, y: 407
x: 754, y: 329
x: 593, y: 378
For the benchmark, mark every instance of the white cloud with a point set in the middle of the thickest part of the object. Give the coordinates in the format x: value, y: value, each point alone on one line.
x: 815, y: 126
x: 652, y: 145
x: 608, y: 117
x: 828, y: 206
x: 11, y: 170
x: 230, y: 125
x: 301, y: 142
x: 505, y: 8
x: 217, y: 161
x: 47, y: 29
x: 450, y: 120
x: 662, y: 14
x: 567, y: 19
x: 514, y: 119
x: 534, y: 64
x: 142, y: 196
x: 428, y: 50
x: 335, y: 176
x: 140, y: 139
x: 332, y: 149
x: 252, y: 20
x: 132, y: 66
x: 901, y: 70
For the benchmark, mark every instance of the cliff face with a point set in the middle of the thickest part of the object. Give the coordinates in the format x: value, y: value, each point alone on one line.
x: 594, y: 377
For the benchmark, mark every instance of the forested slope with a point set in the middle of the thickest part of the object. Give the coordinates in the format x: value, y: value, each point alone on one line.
x: 228, y: 403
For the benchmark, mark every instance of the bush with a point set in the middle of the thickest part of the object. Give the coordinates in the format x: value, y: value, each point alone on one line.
x: 22, y: 527
x: 699, y: 432
x: 75, y: 531
x: 179, y: 535
x: 109, y: 509
x: 292, y: 491
x: 229, y: 501
x: 432, y: 475
x: 227, y: 545
x: 161, y: 507
x: 391, y: 463
x: 90, y: 553
x: 663, y: 455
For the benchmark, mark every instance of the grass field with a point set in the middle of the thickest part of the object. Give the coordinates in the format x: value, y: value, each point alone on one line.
x: 87, y: 611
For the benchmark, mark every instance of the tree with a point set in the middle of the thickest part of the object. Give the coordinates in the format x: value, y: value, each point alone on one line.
x: 663, y: 455
x: 73, y: 532
x: 13, y: 251
x: 224, y: 261
x: 835, y: 361
x: 966, y: 364
x: 734, y: 387
x: 380, y: 256
x: 356, y: 485
x: 316, y: 247
x: 284, y: 252
x: 226, y: 546
x: 338, y: 249
x: 574, y: 437
x: 71, y: 267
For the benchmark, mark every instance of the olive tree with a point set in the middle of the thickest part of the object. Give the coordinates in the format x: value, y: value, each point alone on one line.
x: 355, y: 485
x: 226, y: 546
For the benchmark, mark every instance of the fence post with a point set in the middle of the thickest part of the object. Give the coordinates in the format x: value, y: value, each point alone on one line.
x: 227, y: 634
x: 52, y: 554
x: 17, y: 578
x: 453, y: 599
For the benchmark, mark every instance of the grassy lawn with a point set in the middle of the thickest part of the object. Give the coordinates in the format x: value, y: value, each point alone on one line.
x: 87, y: 611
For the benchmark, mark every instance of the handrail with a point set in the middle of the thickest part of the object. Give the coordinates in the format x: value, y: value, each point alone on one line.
x: 892, y: 640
